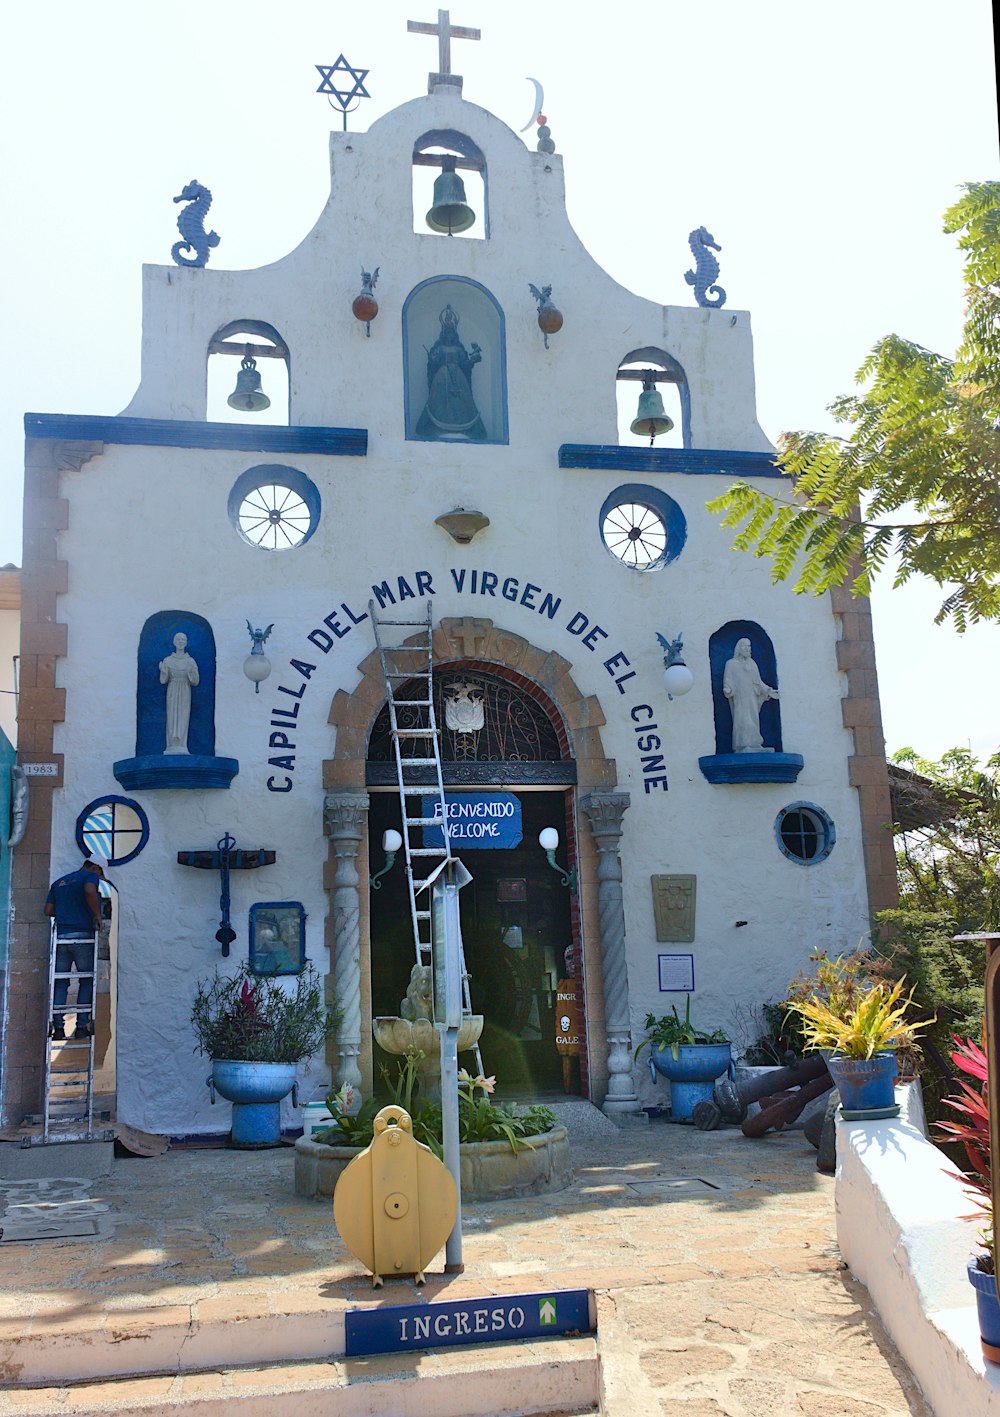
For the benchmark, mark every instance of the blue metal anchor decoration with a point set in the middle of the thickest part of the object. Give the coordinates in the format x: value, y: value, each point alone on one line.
x: 191, y: 225
x: 225, y: 858
x: 706, y: 270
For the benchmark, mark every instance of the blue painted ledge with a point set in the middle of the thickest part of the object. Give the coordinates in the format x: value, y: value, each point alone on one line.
x: 176, y: 433
x: 179, y: 770
x: 685, y: 460
x: 752, y: 767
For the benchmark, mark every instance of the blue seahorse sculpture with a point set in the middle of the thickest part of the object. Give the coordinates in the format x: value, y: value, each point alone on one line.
x: 191, y: 225
x: 706, y: 269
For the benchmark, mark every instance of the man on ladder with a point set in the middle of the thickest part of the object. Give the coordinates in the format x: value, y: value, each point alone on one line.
x: 74, y: 904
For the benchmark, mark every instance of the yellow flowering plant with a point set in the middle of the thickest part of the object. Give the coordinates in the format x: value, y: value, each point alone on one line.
x: 857, y: 1023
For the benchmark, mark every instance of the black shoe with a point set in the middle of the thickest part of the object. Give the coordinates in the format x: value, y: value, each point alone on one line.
x: 57, y: 1029
x: 82, y: 1030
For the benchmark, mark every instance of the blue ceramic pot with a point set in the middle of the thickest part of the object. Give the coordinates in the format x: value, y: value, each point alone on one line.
x: 692, y: 1073
x: 255, y: 1090
x: 988, y: 1306
x: 864, y: 1084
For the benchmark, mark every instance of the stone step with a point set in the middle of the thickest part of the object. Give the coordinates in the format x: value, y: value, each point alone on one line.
x: 550, y: 1378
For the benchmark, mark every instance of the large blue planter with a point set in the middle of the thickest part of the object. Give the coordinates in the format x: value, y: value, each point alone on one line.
x: 692, y: 1073
x: 864, y: 1084
x: 255, y: 1090
x: 988, y: 1306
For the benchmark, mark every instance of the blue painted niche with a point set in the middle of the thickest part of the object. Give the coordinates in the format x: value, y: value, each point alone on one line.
x: 151, y: 767
x: 725, y: 766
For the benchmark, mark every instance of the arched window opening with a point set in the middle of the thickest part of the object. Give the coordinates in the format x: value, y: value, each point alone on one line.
x: 651, y: 368
x: 438, y: 154
x: 454, y: 372
x: 228, y: 353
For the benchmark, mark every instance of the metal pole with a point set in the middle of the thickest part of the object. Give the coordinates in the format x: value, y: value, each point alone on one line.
x: 448, y: 1016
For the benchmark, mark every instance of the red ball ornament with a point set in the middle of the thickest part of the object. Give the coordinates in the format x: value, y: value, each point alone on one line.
x: 541, y: 118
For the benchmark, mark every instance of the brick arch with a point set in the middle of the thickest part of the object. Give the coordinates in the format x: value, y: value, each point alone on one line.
x: 545, y: 675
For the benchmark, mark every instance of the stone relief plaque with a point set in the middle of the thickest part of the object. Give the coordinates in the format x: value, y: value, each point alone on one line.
x: 673, y: 908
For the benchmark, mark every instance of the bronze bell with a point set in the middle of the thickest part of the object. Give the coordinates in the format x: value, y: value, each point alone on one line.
x: 450, y: 212
x: 248, y: 396
x: 651, y: 417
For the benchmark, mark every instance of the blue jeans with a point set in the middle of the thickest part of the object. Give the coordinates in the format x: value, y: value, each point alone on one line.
x: 78, y: 953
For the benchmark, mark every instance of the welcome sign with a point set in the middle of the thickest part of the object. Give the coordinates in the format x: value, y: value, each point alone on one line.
x: 476, y: 819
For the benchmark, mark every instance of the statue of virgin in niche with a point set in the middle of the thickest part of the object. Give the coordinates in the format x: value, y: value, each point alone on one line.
x: 450, y: 411
x: 179, y: 671
x: 746, y: 692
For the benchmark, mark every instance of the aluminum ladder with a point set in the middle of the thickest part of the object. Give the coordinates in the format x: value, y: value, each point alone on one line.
x: 69, y: 1065
x: 412, y: 665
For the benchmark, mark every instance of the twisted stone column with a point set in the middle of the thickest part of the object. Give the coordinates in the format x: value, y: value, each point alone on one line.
x: 344, y: 816
x: 605, y: 811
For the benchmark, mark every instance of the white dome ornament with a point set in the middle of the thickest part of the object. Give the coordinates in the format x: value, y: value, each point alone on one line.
x: 677, y: 677
x: 257, y: 666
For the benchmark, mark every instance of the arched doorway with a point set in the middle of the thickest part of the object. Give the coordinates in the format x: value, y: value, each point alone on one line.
x: 504, y: 743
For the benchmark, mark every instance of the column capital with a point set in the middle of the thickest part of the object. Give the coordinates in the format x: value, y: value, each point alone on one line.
x: 605, y: 811
x: 344, y: 814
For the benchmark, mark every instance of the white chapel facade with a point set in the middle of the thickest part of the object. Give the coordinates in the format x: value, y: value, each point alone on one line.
x: 693, y: 861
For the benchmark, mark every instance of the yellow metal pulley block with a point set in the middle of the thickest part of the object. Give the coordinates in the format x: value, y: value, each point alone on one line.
x: 395, y: 1204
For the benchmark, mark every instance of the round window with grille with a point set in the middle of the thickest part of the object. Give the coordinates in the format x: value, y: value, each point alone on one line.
x: 642, y: 527
x: 274, y: 508
x: 804, y: 833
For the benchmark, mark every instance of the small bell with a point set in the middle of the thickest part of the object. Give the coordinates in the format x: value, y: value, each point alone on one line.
x: 248, y: 396
x: 651, y: 417
x: 450, y: 212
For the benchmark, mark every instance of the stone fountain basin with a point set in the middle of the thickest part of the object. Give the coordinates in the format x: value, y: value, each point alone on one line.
x: 403, y: 1035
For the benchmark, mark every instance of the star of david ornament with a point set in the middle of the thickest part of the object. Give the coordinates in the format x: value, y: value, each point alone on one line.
x: 347, y: 94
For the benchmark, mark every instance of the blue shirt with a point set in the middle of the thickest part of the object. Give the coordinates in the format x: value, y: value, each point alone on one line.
x: 67, y: 898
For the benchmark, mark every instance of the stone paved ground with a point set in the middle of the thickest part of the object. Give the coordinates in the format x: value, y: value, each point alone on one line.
x: 724, y: 1302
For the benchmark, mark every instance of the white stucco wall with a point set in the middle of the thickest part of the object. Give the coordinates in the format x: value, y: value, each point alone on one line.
x: 163, y: 511
x: 10, y: 637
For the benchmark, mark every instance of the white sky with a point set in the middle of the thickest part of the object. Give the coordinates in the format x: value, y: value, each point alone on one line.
x: 818, y: 143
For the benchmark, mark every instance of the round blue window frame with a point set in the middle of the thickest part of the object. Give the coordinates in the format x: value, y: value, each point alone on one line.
x: 828, y: 837
x: 114, y: 800
x: 665, y: 508
x: 274, y: 475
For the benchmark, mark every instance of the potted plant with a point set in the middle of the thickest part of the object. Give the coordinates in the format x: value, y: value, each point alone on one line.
x: 256, y: 1031
x: 973, y: 1131
x: 690, y: 1058
x: 857, y: 1025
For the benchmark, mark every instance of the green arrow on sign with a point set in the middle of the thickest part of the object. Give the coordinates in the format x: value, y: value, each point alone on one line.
x: 546, y: 1311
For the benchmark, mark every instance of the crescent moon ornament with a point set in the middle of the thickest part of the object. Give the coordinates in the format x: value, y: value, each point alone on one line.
x: 539, y: 104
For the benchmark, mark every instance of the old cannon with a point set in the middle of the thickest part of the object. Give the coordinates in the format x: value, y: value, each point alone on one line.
x: 730, y: 1100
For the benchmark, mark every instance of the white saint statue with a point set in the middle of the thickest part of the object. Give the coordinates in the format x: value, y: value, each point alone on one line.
x: 746, y: 692
x: 180, y: 674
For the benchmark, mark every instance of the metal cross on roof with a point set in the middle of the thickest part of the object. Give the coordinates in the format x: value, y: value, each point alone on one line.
x: 445, y: 32
x: 350, y: 94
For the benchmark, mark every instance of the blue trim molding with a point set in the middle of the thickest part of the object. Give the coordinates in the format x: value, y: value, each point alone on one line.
x: 690, y: 461
x: 181, y: 770
x: 751, y: 767
x: 176, y: 433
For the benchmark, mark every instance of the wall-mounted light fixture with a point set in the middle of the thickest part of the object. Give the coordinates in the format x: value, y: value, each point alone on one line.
x: 548, y: 840
x: 677, y: 677
x: 257, y: 666
x: 391, y: 842
x: 462, y: 524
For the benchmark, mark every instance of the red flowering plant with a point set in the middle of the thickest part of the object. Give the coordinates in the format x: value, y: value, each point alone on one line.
x: 972, y: 1130
x: 260, y: 1020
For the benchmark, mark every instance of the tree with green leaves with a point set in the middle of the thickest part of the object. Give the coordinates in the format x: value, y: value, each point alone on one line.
x: 917, y: 479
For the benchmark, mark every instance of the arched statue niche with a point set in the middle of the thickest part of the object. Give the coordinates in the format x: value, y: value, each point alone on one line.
x: 175, y: 707
x: 746, y: 706
x: 444, y: 149
x: 227, y: 350
x: 454, y: 370
x: 672, y: 385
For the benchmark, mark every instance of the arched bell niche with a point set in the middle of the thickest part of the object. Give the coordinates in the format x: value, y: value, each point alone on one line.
x: 454, y: 363
x: 671, y: 384
x: 156, y: 642
x: 227, y: 350
x: 433, y: 152
x: 721, y: 649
